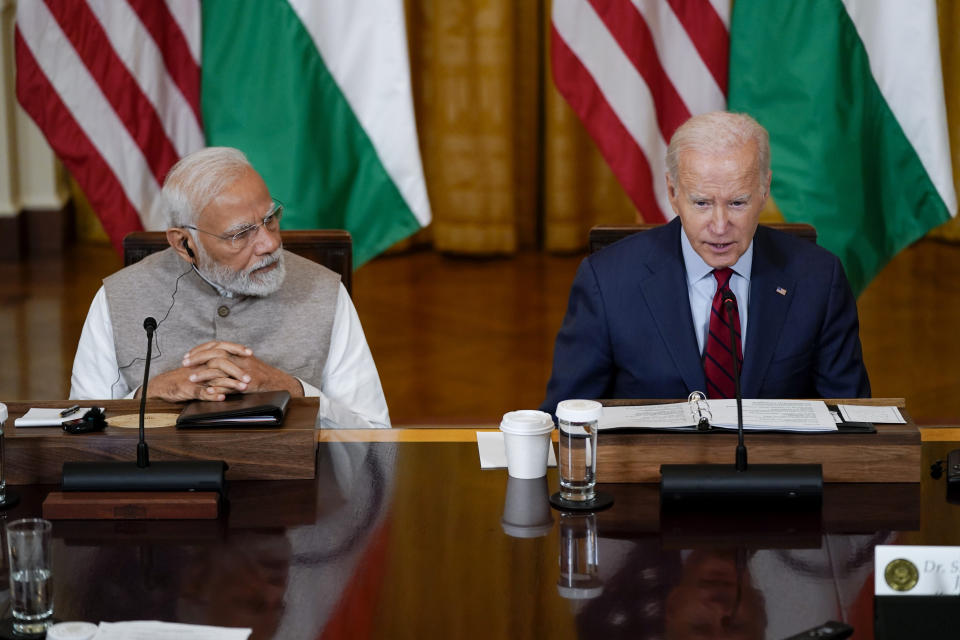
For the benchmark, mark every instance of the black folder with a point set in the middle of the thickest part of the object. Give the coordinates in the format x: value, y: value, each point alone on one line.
x: 260, y: 409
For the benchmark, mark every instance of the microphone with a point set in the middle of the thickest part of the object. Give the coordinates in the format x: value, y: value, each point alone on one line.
x: 143, y: 453
x: 729, y: 303
x: 712, y: 486
x: 187, y: 475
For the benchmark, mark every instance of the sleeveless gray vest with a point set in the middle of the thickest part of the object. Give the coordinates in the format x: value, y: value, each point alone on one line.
x: 289, y: 329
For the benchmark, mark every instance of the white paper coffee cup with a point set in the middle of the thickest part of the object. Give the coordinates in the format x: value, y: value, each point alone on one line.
x: 526, y: 439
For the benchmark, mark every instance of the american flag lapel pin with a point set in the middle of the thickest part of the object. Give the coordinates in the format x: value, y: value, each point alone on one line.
x: 781, y: 291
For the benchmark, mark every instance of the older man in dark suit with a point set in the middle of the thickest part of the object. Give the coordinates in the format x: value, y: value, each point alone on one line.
x: 646, y: 317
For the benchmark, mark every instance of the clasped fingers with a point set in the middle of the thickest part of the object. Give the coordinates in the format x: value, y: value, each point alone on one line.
x: 220, y: 372
x: 214, y: 349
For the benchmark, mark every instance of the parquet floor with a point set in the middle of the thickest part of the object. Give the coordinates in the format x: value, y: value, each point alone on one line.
x: 461, y: 339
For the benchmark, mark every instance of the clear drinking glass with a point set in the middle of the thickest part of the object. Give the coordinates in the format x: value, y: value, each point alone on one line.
x: 578, y: 421
x: 579, y: 558
x: 3, y: 460
x: 31, y: 577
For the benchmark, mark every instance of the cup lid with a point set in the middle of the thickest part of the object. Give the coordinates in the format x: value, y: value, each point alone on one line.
x: 579, y: 410
x: 526, y: 422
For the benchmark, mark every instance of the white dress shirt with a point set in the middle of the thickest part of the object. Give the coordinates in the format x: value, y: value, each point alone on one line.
x: 350, y: 396
x: 702, y: 286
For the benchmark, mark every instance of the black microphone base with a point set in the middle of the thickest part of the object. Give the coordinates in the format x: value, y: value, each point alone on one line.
x: 715, y: 486
x: 187, y: 475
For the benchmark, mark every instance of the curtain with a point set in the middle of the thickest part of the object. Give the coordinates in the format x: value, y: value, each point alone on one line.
x: 948, y: 15
x: 508, y: 164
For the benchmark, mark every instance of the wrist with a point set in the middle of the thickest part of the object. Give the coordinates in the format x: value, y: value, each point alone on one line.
x: 295, y: 387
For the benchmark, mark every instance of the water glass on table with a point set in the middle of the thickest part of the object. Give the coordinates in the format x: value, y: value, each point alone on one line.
x: 31, y: 577
x: 578, y: 420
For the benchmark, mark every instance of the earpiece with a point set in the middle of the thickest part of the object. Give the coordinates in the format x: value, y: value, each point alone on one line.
x: 189, y: 251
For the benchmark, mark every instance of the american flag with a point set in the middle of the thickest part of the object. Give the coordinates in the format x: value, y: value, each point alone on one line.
x: 114, y: 85
x: 635, y: 70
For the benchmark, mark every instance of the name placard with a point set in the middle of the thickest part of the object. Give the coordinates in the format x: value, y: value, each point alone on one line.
x: 916, y: 570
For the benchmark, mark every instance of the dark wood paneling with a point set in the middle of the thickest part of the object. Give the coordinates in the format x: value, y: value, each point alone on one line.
x: 36, y: 454
x: 132, y: 505
x: 12, y: 238
x: 892, y: 454
x: 49, y: 231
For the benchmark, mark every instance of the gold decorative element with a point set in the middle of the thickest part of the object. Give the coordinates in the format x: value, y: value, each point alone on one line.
x: 901, y: 575
x: 150, y: 420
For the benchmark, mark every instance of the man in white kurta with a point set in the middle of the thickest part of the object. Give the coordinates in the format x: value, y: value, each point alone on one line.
x: 236, y: 313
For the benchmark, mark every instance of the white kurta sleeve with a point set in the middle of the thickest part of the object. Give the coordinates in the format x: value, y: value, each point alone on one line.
x: 351, y: 396
x: 96, y: 375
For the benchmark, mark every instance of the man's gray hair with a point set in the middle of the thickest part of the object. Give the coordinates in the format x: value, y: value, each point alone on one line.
x: 716, y: 132
x: 197, y: 179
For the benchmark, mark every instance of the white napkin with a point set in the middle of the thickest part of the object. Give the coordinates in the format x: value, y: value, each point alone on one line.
x: 493, y: 455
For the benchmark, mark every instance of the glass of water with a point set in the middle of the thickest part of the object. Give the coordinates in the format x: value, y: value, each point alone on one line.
x: 579, y: 557
x: 578, y: 421
x: 31, y: 578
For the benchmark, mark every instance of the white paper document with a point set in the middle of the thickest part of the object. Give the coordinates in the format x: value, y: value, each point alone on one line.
x: 674, y: 415
x: 864, y: 413
x: 36, y: 417
x: 153, y: 630
x: 781, y: 415
x: 493, y: 455
x: 758, y: 415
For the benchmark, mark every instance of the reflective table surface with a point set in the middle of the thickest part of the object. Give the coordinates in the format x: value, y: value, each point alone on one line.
x: 413, y: 540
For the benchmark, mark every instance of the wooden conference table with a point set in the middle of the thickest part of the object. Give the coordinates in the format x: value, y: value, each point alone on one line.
x: 401, y: 535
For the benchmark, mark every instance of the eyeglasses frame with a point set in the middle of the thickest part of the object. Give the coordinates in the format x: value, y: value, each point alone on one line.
x: 276, y: 211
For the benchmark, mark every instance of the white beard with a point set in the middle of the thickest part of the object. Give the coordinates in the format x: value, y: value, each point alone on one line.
x: 245, y: 282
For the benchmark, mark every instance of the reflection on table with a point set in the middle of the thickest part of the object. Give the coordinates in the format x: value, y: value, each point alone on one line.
x: 413, y: 540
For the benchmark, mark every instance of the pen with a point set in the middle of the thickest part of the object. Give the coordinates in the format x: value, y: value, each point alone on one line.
x: 70, y: 411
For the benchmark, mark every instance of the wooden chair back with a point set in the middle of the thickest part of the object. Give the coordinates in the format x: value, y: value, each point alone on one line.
x: 333, y: 248
x: 603, y: 235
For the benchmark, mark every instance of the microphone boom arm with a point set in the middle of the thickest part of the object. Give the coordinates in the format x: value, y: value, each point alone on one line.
x: 728, y: 304
x: 143, y: 452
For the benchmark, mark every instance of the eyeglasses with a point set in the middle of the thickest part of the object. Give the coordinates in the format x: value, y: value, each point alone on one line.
x: 245, y: 235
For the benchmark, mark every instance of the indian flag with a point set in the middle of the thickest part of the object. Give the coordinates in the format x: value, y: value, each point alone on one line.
x: 851, y: 92
x: 317, y: 94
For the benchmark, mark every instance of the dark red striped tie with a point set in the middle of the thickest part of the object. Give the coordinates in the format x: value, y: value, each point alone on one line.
x: 717, y: 360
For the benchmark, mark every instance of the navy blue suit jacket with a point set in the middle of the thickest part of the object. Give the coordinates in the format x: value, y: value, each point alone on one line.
x: 628, y: 332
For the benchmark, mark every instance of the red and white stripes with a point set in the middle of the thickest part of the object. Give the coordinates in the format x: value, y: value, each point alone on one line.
x: 633, y: 71
x: 115, y: 87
